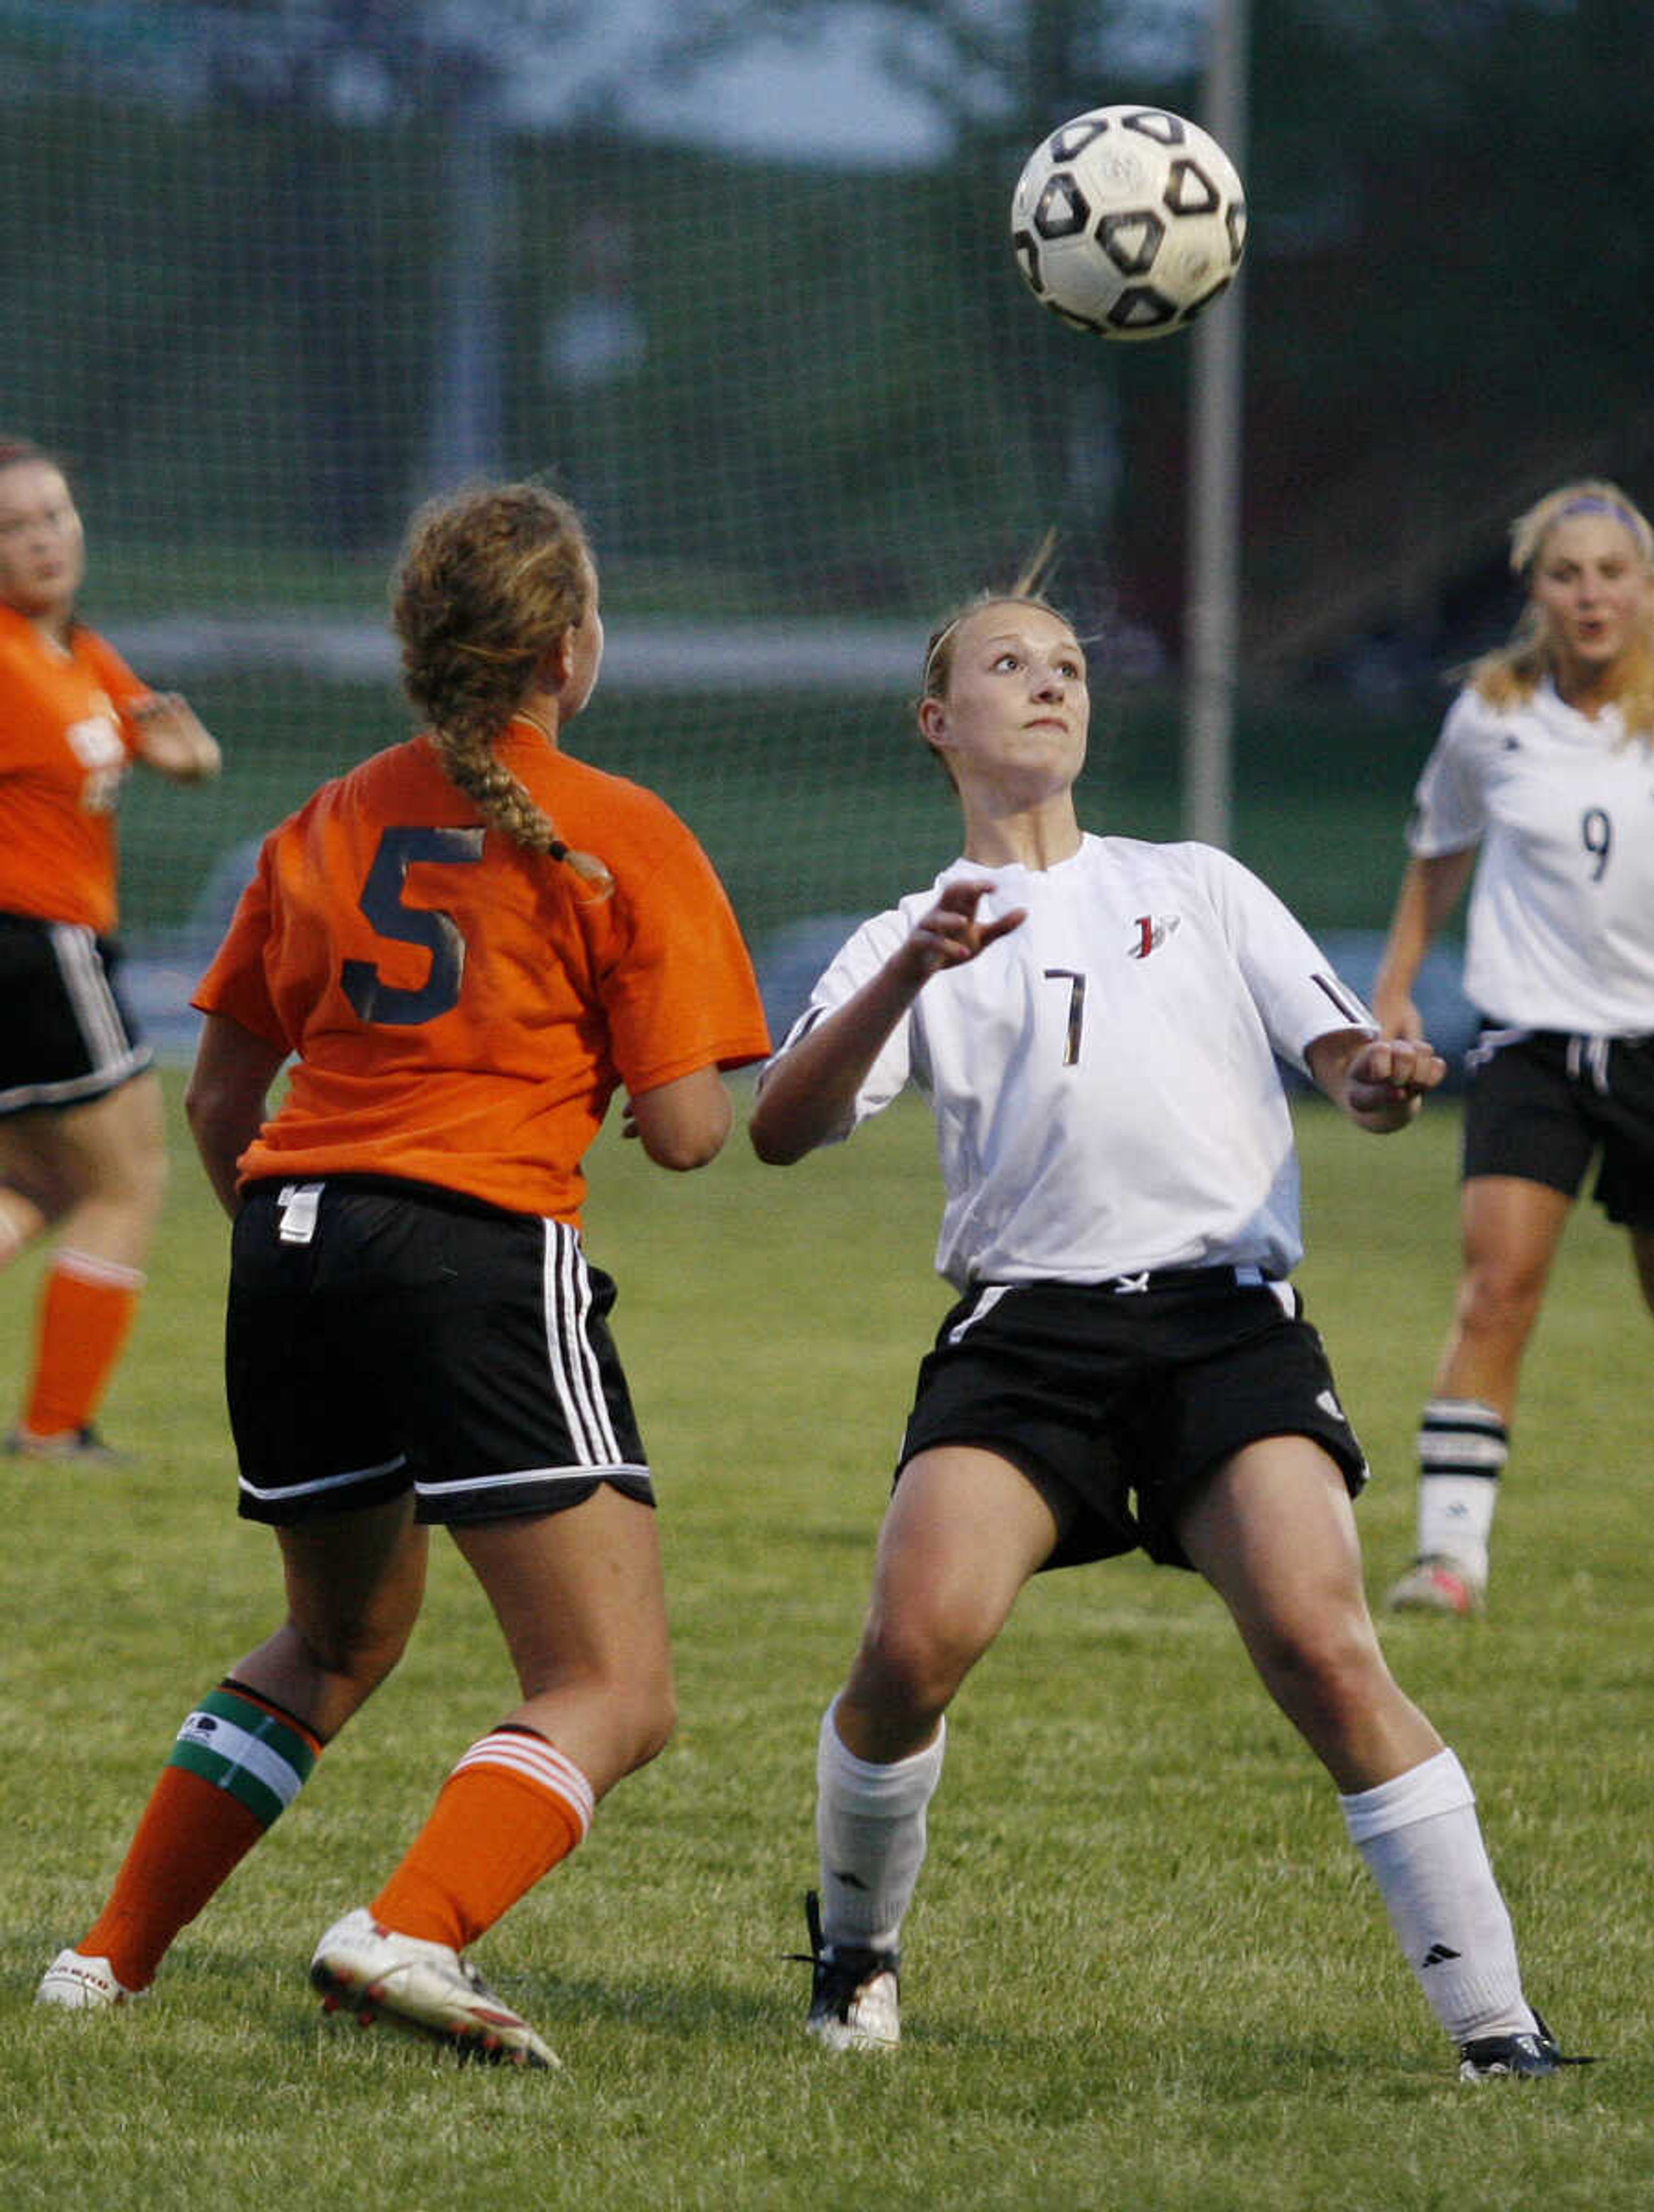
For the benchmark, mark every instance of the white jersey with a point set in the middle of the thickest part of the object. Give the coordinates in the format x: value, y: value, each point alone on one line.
x: 1103, y: 1079
x: 1560, y: 933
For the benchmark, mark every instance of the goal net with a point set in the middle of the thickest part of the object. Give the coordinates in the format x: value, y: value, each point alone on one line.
x: 273, y: 275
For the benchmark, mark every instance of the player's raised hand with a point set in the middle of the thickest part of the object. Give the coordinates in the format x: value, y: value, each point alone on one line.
x: 172, y: 738
x: 949, y: 934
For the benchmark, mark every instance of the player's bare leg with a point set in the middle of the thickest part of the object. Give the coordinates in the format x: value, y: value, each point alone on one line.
x: 1510, y: 1230
x: 1274, y: 1534
x: 579, y: 1598
x: 963, y: 1532
x: 95, y: 1173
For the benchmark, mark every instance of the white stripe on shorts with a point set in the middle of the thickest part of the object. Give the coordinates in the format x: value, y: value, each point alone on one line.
x: 574, y: 1374
x: 323, y: 1482
x: 114, y: 1058
x: 988, y: 1298
x: 75, y: 948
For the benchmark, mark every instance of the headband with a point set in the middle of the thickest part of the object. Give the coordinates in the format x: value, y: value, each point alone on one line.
x: 1590, y: 502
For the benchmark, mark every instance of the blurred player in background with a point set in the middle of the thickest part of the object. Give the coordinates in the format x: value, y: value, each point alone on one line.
x: 82, y: 1148
x: 1542, y: 783
x: 470, y: 942
x: 1095, y: 1022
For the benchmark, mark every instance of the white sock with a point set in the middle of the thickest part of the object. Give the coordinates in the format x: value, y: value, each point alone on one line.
x: 870, y: 1831
x: 1462, y: 1447
x: 1422, y: 1843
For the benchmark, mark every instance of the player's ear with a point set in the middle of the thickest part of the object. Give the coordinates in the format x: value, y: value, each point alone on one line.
x: 932, y: 721
x: 556, y: 664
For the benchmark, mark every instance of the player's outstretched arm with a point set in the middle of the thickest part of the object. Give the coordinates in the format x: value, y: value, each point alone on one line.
x: 809, y: 1091
x: 1379, y: 1082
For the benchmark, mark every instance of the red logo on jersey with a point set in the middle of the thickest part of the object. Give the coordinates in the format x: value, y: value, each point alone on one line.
x: 1152, y: 930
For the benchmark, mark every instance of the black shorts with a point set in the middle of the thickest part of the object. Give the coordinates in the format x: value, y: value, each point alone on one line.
x: 1541, y: 1104
x: 68, y: 1034
x: 1128, y: 1398
x: 385, y: 1336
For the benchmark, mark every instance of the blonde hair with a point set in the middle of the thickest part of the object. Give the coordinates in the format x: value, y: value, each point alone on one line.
x: 1509, y: 675
x: 1025, y: 592
x: 939, y: 649
x: 490, y: 578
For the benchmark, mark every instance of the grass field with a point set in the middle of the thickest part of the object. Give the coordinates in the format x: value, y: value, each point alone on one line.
x: 1145, y: 1971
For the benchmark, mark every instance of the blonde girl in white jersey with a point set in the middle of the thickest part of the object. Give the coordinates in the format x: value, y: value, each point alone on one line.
x: 1542, y: 787
x: 1094, y: 1022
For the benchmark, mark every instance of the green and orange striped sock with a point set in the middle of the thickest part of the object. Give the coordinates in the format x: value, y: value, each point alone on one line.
x: 239, y: 1763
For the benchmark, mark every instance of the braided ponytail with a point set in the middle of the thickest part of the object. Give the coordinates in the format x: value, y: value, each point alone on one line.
x: 489, y: 578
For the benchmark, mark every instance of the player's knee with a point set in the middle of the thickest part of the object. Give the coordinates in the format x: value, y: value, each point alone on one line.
x: 629, y: 1709
x: 1329, y: 1669
x: 911, y: 1666
x: 1500, y: 1298
x: 359, y: 1653
x: 132, y: 1183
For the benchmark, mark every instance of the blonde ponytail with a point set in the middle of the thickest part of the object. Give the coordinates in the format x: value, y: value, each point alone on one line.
x: 491, y: 579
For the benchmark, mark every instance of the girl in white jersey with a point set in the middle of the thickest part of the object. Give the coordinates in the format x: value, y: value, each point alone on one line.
x: 1094, y: 1022
x: 1540, y: 783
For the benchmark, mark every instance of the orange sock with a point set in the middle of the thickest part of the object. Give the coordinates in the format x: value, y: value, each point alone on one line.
x: 511, y: 1809
x: 85, y: 1312
x: 237, y: 1763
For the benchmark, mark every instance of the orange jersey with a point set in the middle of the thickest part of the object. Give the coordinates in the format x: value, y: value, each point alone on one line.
x: 66, y: 741
x: 462, y: 1010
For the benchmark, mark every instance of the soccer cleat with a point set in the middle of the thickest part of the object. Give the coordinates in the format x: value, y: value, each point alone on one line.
x: 425, y: 1988
x: 81, y: 1985
x: 1438, y: 1584
x: 76, y: 1447
x: 855, y: 1994
x: 1523, y: 2058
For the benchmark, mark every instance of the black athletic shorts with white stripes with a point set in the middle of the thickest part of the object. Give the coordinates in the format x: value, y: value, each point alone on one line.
x: 69, y: 1034
x: 1127, y: 1396
x: 387, y: 1335
x: 1541, y: 1104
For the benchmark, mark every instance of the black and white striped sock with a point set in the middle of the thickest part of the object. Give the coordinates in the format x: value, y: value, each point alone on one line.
x: 1462, y: 1449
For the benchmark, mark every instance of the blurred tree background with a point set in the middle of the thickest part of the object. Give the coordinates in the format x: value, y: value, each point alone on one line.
x: 274, y: 271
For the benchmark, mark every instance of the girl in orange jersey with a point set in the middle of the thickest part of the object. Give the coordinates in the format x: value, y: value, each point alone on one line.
x: 81, y: 1141
x: 470, y: 943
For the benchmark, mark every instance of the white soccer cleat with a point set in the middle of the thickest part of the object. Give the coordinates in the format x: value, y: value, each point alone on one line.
x: 375, y: 1973
x: 70, y: 1446
x: 857, y: 2015
x: 81, y: 1985
x: 1438, y: 1584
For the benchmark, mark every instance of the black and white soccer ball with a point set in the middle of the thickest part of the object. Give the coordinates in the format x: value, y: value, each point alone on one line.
x: 1128, y: 221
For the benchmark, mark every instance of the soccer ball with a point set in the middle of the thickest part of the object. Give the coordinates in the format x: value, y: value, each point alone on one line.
x: 1128, y: 221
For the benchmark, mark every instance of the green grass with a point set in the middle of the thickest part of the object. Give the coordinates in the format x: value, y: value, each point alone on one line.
x: 1145, y: 1973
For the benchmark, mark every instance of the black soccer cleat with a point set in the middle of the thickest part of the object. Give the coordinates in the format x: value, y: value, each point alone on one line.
x: 854, y: 1991
x: 1525, y: 2058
